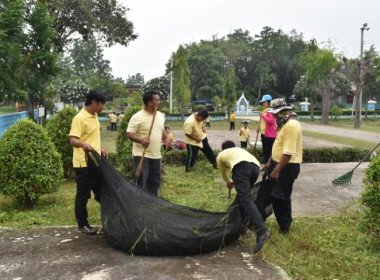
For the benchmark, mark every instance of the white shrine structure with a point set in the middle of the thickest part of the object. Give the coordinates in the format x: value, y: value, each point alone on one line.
x: 242, y: 105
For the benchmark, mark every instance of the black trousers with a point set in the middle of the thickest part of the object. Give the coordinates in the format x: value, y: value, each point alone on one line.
x: 192, y: 154
x: 244, y: 175
x: 113, y: 126
x: 267, y: 143
x: 281, y: 195
x: 232, y: 125
x: 243, y: 144
x: 150, y: 176
x: 88, y: 179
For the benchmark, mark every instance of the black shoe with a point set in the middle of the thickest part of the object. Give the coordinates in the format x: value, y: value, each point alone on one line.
x: 215, y: 166
x: 260, y: 241
x: 283, y: 231
x: 88, y: 229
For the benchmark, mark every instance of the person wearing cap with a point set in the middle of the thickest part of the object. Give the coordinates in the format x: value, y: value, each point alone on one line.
x: 245, y: 169
x: 267, y: 128
x: 283, y: 166
x: 244, y: 135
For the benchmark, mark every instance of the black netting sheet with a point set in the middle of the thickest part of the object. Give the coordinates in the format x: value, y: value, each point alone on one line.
x: 138, y: 222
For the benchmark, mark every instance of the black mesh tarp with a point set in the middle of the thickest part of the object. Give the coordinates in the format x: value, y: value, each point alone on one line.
x: 143, y: 224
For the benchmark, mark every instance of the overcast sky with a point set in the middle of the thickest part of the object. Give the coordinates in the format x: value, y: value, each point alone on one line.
x: 162, y: 25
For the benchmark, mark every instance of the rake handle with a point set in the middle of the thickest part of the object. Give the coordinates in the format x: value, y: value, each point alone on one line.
x: 367, y: 155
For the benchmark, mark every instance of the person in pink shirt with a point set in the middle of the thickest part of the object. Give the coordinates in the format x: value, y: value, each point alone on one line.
x: 270, y: 133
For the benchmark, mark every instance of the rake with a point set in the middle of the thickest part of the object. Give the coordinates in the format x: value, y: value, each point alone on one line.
x: 346, y: 178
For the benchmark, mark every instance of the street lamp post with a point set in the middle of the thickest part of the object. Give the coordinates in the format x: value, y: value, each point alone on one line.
x: 361, y: 72
x: 171, y: 86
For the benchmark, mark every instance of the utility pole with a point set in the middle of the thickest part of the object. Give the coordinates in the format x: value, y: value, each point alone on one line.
x: 171, y: 86
x: 360, y: 80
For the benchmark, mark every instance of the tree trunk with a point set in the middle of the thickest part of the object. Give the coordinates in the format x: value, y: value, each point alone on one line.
x: 312, y: 110
x: 326, y: 103
x: 259, y: 93
x: 29, y: 107
x: 357, y: 107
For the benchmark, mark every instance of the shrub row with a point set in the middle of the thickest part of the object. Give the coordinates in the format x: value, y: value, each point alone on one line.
x: 314, y: 155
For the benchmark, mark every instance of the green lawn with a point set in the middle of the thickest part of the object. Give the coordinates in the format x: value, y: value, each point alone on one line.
x: 329, y: 247
x: 7, y: 110
x: 371, y: 125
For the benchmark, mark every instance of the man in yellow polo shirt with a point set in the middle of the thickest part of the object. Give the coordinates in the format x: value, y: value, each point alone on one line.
x: 85, y: 137
x: 196, y: 139
x: 245, y: 169
x: 138, y: 131
x: 284, y: 165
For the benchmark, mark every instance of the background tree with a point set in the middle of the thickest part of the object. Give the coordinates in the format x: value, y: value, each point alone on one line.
x: 88, y: 63
x: 161, y: 85
x: 135, y: 98
x: 137, y: 79
x: 32, y: 60
x: 206, y: 67
x: 181, y: 80
x: 371, y: 86
x: 104, y: 19
x: 229, y: 90
x: 12, y: 15
x: 321, y: 67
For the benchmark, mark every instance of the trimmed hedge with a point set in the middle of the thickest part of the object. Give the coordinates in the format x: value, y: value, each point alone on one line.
x: 314, y: 155
x: 58, y: 129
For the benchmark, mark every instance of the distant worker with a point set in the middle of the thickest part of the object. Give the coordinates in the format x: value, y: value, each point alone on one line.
x: 113, y: 120
x: 245, y: 169
x: 208, y: 122
x: 121, y: 117
x: 244, y: 134
x: 171, y: 138
x: 232, y: 120
x: 196, y: 139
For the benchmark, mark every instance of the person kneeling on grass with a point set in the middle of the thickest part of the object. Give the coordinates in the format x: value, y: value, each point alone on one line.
x: 245, y: 169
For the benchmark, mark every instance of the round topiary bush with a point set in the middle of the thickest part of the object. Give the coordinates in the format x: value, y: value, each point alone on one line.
x: 124, y: 145
x: 370, y: 198
x: 336, y: 112
x: 29, y: 163
x: 58, y: 129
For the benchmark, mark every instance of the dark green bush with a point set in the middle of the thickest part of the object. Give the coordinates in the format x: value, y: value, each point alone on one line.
x: 29, y: 163
x: 370, y: 198
x: 124, y: 145
x: 320, y: 155
x: 346, y: 154
x: 336, y: 112
x: 58, y: 129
